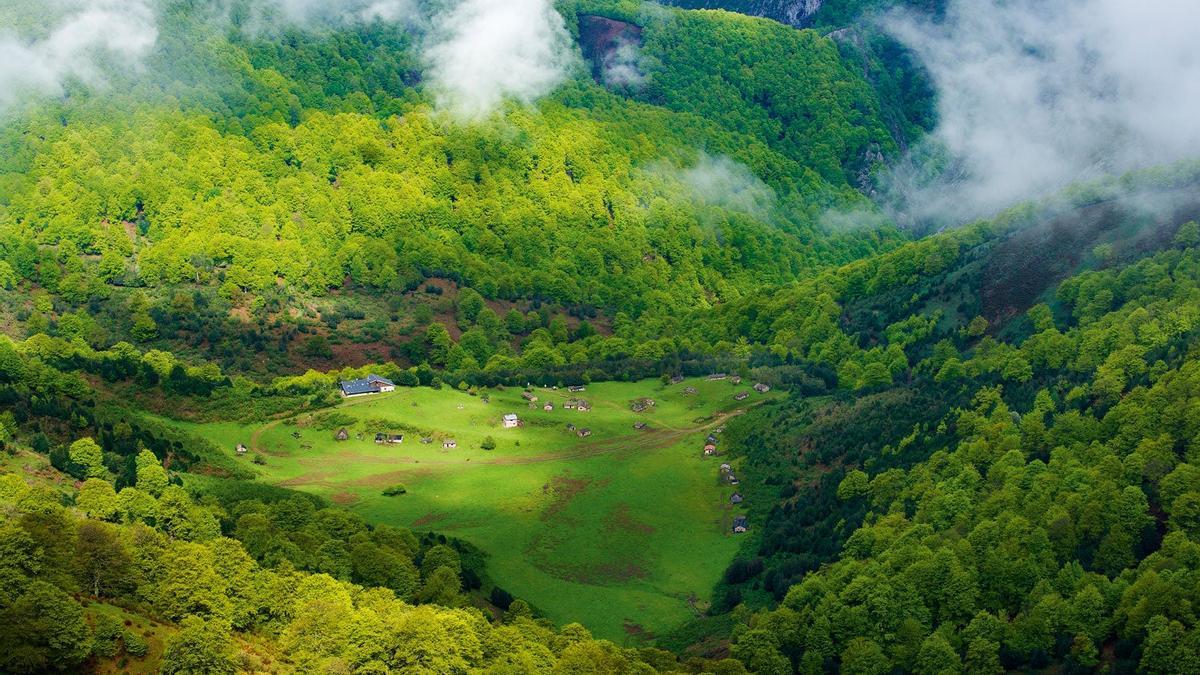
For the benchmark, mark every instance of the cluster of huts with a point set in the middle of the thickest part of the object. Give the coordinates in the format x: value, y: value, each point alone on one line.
x: 577, y: 404
x: 760, y: 387
x: 728, y: 476
x: 382, y: 438
x: 582, y: 432
x: 641, y: 405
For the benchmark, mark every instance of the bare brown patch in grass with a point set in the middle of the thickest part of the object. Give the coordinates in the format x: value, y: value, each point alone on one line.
x: 562, y: 489
x: 429, y: 519
x: 344, y: 498
x: 382, y: 480
x: 636, y: 631
x: 622, y: 522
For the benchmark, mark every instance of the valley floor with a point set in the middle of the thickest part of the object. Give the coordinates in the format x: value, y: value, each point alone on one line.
x: 625, y: 530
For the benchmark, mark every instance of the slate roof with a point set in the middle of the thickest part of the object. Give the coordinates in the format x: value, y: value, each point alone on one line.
x: 365, y: 385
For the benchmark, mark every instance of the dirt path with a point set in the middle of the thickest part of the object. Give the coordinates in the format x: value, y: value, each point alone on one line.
x: 256, y: 435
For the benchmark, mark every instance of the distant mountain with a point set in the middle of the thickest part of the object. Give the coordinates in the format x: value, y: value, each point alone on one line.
x: 823, y: 15
x: 793, y: 12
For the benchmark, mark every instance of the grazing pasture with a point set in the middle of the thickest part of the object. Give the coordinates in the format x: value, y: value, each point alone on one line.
x: 625, y: 530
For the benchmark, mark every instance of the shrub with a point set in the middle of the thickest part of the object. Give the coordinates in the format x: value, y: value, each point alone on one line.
x: 108, y: 635
x: 135, y: 645
x: 488, y: 443
x: 394, y: 490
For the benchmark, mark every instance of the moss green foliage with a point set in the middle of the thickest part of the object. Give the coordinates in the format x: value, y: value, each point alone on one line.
x: 214, y: 593
x: 1035, y: 510
x: 989, y: 458
x: 748, y: 77
x: 303, y: 162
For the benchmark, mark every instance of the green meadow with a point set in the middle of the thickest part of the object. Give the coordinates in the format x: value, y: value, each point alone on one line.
x: 625, y: 530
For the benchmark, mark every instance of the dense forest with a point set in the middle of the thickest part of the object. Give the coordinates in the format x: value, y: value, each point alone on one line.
x: 984, y: 460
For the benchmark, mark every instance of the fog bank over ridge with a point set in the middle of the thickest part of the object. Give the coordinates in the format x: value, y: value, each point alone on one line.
x: 1033, y: 96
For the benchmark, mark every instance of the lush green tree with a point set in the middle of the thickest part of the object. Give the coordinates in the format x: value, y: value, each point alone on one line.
x: 101, y: 562
x: 89, y: 457
x: 43, y: 629
x: 199, y: 647
x: 98, y: 499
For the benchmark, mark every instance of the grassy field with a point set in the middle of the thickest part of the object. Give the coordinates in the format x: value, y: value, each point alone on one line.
x: 625, y: 530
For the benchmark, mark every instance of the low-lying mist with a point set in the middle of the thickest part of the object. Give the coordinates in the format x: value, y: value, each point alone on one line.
x: 475, y: 53
x: 60, y: 41
x: 1036, y: 95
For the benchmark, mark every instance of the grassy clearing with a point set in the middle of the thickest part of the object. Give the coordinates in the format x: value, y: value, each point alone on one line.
x: 625, y: 530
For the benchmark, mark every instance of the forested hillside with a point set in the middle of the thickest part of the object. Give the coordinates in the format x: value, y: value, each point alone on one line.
x: 167, y: 592
x: 972, y: 451
x: 263, y: 174
x: 1017, y: 498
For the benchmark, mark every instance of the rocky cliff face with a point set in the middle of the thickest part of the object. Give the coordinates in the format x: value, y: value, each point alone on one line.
x: 610, y: 47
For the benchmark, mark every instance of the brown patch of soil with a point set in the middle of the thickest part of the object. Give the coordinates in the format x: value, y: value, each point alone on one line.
x: 622, y: 521
x: 562, y: 490
x: 344, y: 498
x: 636, y: 631
x: 382, y: 480
x: 429, y: 519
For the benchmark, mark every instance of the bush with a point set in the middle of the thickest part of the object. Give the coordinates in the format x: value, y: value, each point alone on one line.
x: 108, y: 635
x: 394, y: 490
x: 135, y: 645
x: 488, y: 443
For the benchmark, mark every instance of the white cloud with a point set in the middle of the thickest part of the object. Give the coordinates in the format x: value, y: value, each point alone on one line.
x: 315, y: 12
x: 1034, y: 95
x: 622, y: 67
x: 87, y: 40
x: 480, y: 52
x: 717, y: 180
